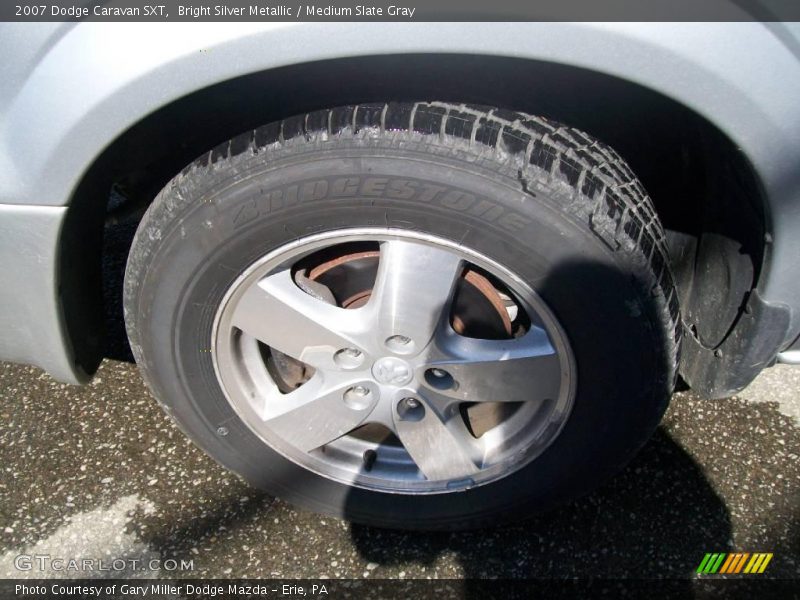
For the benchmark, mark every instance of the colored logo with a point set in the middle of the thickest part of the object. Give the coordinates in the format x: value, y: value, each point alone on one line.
x: 735, y: 563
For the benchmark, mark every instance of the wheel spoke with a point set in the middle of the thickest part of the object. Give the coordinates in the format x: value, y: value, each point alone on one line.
x: 440, y: 450
x: 516, y: 370
x: 413, y: 290
x: 395, y: 362
x: 281, y: 315
x: 315, y: 414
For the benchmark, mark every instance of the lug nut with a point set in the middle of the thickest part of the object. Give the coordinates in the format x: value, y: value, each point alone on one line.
x: 400, y: 344
x: 358, y: 397
x: 440, y: 379
x: 348, y: 358
x: 410, y: 409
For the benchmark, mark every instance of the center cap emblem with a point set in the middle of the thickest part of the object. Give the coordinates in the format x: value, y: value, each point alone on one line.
x: 392, y: 371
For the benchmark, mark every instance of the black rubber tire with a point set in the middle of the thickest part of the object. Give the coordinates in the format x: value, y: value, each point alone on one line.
x: 551, y: 203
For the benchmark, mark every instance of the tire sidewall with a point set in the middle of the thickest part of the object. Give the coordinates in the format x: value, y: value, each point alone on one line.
x: 224, y: 219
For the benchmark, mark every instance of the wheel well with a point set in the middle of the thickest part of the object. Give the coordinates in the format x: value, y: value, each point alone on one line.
x: 706, y: 194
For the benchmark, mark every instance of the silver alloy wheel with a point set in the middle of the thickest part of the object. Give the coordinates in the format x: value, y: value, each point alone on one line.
x: 393, y: 364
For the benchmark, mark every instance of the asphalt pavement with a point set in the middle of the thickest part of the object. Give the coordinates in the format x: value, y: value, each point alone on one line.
x: 99, y: 471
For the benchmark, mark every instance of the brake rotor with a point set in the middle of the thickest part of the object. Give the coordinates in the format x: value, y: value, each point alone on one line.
x: 478, y: 309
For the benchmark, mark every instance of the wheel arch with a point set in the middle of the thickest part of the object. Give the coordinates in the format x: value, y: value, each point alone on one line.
x: 616, y: 109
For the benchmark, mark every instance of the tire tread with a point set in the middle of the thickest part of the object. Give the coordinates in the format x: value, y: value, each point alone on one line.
x: 603, y: 191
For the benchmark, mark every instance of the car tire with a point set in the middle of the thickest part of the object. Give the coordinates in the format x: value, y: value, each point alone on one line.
x: 550, y: 217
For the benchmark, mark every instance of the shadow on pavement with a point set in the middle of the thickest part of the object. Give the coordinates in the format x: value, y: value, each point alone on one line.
x: 656, y: 519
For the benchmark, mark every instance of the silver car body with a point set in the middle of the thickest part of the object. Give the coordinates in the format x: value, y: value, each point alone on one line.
x: 68, y: 90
